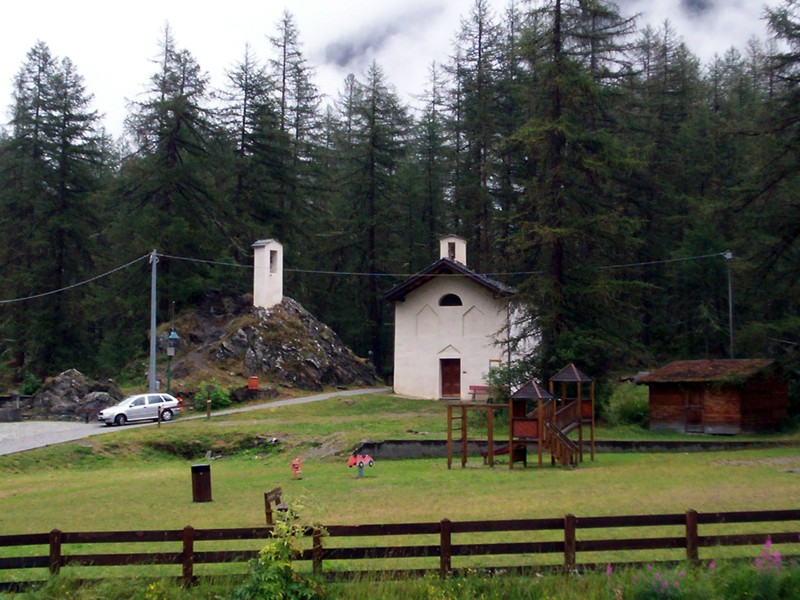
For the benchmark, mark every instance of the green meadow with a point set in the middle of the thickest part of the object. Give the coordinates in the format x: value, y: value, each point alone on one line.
x: 140, y: 478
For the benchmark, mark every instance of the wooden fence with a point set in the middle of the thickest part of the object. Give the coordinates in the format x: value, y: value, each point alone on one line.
x: 541, y: 545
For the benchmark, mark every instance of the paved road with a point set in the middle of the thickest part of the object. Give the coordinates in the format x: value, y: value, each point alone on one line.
x: 18, y: 437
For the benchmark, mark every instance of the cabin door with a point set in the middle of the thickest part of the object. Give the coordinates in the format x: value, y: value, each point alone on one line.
x: 451, y: 377
x: 694, y: 411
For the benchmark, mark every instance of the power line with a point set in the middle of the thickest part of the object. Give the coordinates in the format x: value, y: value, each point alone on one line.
x: 337, y: 273
x: 661, y: 262
x: 498, y: 274
x: 206, y: 262
x: 74, y: 285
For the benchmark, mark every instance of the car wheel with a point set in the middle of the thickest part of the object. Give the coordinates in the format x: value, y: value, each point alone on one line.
x: 361, y: 464
x: 371, y: 463
x: 166, y: 415
x: 120, y: 419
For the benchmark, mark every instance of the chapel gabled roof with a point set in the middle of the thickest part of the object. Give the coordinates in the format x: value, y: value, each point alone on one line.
x: 444, y: 267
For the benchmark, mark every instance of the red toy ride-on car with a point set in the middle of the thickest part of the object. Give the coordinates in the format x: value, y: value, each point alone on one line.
x: 360, y: 460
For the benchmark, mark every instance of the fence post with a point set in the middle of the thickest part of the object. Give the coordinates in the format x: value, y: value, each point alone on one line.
x: 188, y: 556
x: 570, y: 525
x: 316, y: 551
x: 692, y: 542
x: 55, y: 551
x: 445, y: 560
x: 268, y: 509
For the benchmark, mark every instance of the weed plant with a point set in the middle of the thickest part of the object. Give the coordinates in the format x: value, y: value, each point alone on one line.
x: 767, y: 577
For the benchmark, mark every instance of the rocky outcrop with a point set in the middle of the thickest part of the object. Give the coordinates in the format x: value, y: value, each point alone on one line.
x: 288, y: 345
x: 284, y: 345
x: 72, y: 395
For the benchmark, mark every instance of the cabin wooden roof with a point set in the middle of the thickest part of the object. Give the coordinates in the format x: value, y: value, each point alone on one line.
x: 443, y: 267
x: 732, y: 370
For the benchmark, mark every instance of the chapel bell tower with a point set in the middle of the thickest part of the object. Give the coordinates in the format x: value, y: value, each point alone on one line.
x: 454, y: 248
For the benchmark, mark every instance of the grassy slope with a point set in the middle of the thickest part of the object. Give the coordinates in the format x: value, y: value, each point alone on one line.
x: 119, y: 482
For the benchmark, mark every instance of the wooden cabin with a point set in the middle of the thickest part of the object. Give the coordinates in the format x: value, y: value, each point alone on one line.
x: 717, y: 396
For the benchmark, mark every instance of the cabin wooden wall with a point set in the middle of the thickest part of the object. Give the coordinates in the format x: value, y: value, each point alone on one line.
x: 697, y: 408
x: 722, y: 409
x: 667, y: 410
x: 765, y: 403
x: 760, y: 404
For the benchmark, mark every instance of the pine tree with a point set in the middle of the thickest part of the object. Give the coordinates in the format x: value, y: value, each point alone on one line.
x: 53, y: 169
x: 260, y: 156
x: 474, y: 108
x: 427, y: 174
x: 765, y: 216
x: 169, y: 189
x: 573, y: 218
x: 370, y: 141
x: 297, y: 104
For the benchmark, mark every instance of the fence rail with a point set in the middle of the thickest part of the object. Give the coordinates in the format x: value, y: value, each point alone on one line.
x: 446, y: 540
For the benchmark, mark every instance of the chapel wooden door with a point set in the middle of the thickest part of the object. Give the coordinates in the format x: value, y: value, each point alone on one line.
x: 451, y: 377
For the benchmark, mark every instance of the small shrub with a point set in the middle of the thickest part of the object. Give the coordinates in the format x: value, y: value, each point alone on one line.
x: 271, y: 574
x: 30, y: 383
x: 629, y: 405
x: 219, y: 398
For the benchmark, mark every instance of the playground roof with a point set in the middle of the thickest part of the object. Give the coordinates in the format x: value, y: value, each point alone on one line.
x: 444, y: 267
x: 531, y: 391
x: 730, y: 370
x: 571, y: 374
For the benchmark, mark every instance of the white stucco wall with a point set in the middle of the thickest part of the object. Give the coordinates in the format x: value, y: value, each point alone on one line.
x: 426, y: 332
x: 267, y: 273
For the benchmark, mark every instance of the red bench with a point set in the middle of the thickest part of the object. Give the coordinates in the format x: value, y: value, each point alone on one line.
x: 479, y: 393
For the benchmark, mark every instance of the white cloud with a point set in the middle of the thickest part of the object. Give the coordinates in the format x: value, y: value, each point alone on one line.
x: 111, y: 44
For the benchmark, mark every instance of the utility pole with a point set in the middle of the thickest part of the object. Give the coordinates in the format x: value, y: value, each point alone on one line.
x: 153, y: 279
x: 728, y: 258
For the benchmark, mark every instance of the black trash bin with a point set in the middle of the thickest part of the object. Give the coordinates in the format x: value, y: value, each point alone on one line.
x: 201, y: 483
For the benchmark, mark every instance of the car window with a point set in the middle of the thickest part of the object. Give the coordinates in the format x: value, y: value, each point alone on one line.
x: 138, y: 402
x: 155, y: 400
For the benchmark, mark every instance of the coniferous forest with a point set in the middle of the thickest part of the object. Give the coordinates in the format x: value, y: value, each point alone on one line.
x: 596, y: 166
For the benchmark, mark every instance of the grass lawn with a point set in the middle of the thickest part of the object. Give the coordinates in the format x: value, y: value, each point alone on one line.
x: 140, y: 479
x: 134, y: 480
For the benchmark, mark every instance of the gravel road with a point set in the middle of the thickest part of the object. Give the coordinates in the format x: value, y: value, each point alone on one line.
x: 18, y: 437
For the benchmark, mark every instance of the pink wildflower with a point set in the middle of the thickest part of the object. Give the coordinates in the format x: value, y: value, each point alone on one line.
x: 712, y: 565
x: 609, y: 570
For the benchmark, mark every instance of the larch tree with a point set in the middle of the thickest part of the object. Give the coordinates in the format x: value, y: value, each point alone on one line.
x: 51, y: 173
x: 297, y: 105
x: 573, y: 217
x: 474, y: 114
x: 260, y: 152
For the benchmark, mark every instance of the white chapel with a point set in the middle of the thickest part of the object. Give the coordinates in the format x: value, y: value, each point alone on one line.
x: 449, y: 326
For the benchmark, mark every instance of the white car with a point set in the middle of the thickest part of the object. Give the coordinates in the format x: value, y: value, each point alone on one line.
x: 141, y: 407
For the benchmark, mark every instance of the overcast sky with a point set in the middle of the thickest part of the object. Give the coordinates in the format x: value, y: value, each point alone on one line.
x: 112, y: 44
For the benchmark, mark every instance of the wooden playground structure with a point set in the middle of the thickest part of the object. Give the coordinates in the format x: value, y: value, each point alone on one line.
x: 539, y: 419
